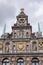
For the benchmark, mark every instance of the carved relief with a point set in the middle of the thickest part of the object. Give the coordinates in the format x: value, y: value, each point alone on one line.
x: 20, y: 45
x: 1, y: 47
x: 41, y: 45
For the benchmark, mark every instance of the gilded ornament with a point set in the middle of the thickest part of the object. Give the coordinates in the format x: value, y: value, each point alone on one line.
x: 20, y: 45
x: 1, y: 46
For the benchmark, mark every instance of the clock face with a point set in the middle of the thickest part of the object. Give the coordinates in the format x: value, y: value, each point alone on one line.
x: 20, y: 45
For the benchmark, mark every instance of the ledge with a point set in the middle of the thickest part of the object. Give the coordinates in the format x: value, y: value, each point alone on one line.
x: 22, y: 54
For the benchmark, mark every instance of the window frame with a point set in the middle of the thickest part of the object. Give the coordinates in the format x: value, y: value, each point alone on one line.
x: 20, y: 61
x: 35, y: 61
x: 5, y: 61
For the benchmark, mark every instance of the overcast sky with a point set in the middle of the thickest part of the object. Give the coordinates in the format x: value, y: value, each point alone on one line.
x: 9, y: 9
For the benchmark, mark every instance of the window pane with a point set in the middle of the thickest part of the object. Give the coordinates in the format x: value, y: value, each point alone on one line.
x: 36, y: 63
x: 5, y: 62
x: 20, y: 62
x: 33, y: 63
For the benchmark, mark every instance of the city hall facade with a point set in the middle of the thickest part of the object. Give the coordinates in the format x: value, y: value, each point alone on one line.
x: 22, y: 46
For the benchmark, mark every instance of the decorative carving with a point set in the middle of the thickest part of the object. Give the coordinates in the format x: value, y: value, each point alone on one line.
x: 20, y: 45
x: 1, y: 46
x: 40, y: 44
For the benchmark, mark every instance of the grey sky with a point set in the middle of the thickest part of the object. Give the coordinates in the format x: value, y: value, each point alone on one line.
x: 9, y: 9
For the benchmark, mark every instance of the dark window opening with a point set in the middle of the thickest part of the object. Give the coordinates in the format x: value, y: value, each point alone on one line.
x: 35, y: 61
x: 20, y: 61
x: 5, y: 62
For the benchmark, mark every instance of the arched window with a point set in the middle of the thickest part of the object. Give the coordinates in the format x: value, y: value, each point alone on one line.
x: 20, y: 61
x: 35, y: 61
x: 5, y: 62
x: 7, y: 47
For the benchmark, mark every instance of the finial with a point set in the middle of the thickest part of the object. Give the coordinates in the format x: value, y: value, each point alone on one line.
x: 22, y: 9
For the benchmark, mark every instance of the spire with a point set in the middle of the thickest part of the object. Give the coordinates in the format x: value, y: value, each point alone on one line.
x: 39, y: 31
x: 4, y: 30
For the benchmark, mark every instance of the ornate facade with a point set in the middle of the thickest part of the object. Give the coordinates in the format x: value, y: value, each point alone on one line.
x: 21, y: 47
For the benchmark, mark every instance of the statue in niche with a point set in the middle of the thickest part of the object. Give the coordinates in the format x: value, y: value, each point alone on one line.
x: 34, y: 46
